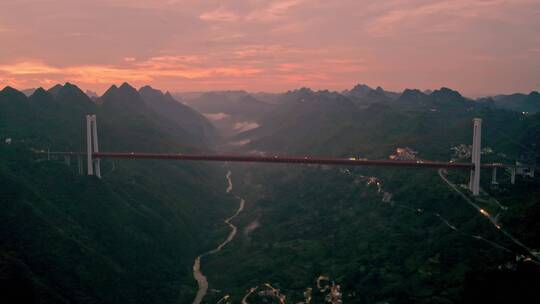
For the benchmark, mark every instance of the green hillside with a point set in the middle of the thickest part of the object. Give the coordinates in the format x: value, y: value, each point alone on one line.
x: 130, y: 237
x: 304, y: 222
x: 383, y: 235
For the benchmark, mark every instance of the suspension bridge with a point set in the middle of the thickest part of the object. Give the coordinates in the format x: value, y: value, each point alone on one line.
x: 93, y: 157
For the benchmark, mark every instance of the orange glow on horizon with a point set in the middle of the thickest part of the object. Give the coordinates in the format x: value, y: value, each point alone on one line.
x: 273, y: 45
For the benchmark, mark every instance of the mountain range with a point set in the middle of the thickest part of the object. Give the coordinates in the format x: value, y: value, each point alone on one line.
x: 130, y: 237
x: 383, y: 235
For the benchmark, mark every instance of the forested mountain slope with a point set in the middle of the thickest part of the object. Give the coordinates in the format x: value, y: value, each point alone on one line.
x: 318, y: 123
x: 130, y: 237
x: 384, y: 235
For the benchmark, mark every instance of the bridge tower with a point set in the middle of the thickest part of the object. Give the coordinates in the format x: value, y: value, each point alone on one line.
x: 474, y: 182
x: 92, y: 146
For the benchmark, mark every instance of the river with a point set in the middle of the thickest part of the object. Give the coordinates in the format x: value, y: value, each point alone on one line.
x: 201, y: 279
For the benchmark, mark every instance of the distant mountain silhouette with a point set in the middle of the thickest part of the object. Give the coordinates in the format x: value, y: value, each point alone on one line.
x: 40, y: 95
x: 72, y: 95
x: 443, y: 98
x: 235, y: 103
x: 180, y: 114
x: 359, y: 90
x: 28, y: 91
x: 55, y: 89
x: 153, y: 115
x: 413, y: 98
x: 447, y: 94
x: 121, y: 110
x: 377, y: 96
x: 124, y: 98
x: 91, y: 94
x: 44, y: 116
x: 364, y: 95
x: 10, y: 92
x: 305, y: 119
x: 519, y: 102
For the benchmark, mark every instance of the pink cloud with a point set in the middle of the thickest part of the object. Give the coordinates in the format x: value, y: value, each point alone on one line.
x: 447, y: 15
x: 274, y: 10
x: 219, y: 15
x: 270, y: 45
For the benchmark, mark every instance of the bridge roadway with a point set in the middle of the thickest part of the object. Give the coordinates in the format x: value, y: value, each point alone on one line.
x: 283, y: 159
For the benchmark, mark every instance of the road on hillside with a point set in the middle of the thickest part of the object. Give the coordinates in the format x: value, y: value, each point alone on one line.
x: 485, y: 214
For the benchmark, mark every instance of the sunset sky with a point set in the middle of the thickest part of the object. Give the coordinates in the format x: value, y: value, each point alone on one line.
x: 475, y: 46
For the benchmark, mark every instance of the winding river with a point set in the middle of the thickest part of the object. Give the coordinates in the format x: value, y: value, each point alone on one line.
x: 201, y: 279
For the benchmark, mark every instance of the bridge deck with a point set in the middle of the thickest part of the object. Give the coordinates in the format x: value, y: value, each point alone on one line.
x: 285, y: 159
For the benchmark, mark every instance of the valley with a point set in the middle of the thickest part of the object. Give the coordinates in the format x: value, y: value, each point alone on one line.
x: 201, y: 279
x: 269, y: 151
x: 381, y: 234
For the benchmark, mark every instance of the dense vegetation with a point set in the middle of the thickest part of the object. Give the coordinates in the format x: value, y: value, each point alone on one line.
x: 130, y: 237
x: 311, y: 222
x: 303, y: 223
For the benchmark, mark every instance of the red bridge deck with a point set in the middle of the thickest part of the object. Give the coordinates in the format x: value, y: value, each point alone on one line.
x: 285, y: 159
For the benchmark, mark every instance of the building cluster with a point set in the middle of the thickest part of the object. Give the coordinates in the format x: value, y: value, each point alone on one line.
x: 273, y: 293
x: 332, y: 290
x: 487, y: 151
x: 524, y: 170
x: 387, y: 197
x: 462, y: 151
x: 335, y: 295
x: 404, y: 154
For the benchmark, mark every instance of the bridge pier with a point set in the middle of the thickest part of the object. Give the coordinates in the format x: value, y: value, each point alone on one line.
x: 89, y: 161
x: 512, y: 176
x: 474, y: 182
x: 79, y: 164
x: 92, y: 146
x: 494, y: 176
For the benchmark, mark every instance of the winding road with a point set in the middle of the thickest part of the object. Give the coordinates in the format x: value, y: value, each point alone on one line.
x: 201, y: 279
x: 488, y: 216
